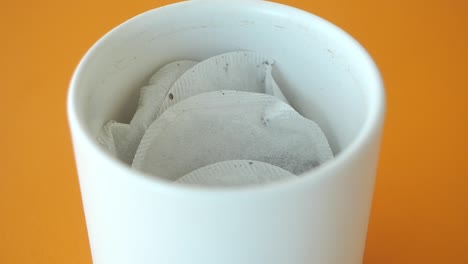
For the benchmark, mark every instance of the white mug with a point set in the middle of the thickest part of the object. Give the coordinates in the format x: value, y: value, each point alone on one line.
x: 321, y: 217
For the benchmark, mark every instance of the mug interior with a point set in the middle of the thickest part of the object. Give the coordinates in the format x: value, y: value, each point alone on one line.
x: 324, y: 73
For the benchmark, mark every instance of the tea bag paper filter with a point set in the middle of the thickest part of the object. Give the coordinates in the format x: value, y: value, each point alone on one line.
x: 176, y: 81
x: 230, y: 125
x: 195, y: 120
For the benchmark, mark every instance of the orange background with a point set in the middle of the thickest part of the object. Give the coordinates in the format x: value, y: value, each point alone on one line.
x: 420, y: 208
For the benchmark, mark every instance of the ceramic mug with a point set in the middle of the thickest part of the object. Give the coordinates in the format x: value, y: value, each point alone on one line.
x: 321, y: 217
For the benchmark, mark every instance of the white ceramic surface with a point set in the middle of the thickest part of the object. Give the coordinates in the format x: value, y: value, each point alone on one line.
x: 326, y: 75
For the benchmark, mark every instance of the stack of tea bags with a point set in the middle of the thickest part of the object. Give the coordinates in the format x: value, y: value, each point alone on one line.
x: 220, y: 122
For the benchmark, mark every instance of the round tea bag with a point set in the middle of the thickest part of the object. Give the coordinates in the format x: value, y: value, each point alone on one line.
x: 123, y: 139
x: 236, y: 173
x: 230, y: 125
x: 240, y: 70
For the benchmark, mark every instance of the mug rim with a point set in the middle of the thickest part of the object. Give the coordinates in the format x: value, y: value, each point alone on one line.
x: 372, y: 123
